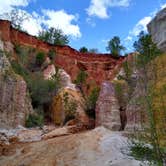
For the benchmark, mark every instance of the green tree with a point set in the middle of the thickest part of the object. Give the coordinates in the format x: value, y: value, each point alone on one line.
x: 42, y: 91
x: 146, y: 48
x: 93, y: 50
x: 91, y: 102
x: 83, y: 50
x: 40, y: 58
x: 16, y: 16
x: 81, y: 78
x: 53, y: 36
x: 114, y: 46
x: 70, y: 107
x: 147, y: 79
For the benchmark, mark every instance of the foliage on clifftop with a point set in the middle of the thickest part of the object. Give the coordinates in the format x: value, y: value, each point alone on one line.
x: 29, y: 63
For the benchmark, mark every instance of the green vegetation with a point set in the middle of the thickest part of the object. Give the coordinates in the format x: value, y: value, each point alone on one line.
x: 53, y: 36
x: 114, y: 46
x: 51, y: 54
x: 146, y: 48
x: 93, y: 50
x: 34, y: 120
x: 41, y: 91
x: 19, y: 69
x: 144, y: 152
x: 91, y: 102
x: 86, y: 50
x: 70, y: 107
x: 83, y: 50
x: 40, y: 58
x: 28, y: 64
x: 151, y: 120
x: 81, y: 78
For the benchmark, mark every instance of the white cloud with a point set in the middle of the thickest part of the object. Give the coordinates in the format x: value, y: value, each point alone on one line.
x: 90, y: 22
x: 162, y: 6
x: 50, y: 18
x: 141, y: 26
x: 128, y: 39
x: 33, y: 24
x: 7, y: 5
x: 60, y: 19
x: 99, y: 7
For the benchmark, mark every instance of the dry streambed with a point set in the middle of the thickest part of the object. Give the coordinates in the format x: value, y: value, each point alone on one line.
x: 98, y: 147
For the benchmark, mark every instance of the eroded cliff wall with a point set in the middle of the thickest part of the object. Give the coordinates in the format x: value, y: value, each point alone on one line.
x: 15, y: 104
x: 157, y: 29
x: 98, y: 66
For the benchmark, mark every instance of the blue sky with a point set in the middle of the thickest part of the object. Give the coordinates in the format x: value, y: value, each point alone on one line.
x: 89, y: 23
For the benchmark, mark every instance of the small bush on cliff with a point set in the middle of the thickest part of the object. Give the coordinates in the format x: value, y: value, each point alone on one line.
x: 19, y: 69
x: 91, y: 102
x: 114, y: 46
x: 40, y: 58
x: 51, y: 54
x: 54, y: 36
x: 42, y: 90
x: 22, y: 53
x: 93, y: 50
x: 70, y: 107
x: 34, y: 120
x: 81, y: 78
x: 83, y: 50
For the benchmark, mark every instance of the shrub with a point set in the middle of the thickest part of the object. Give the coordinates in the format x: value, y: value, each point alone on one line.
x: 83, y: 50
x: 114, y: 46
x: 81, y: 78
x: 41, y: 90
x: 17, y: 48
x: 40, y: 58
x: 91, y: 102
x: 34, y: 120
x: 146, y: 48
x: 144, y: 152
x: 70, y: 107
x: 51, y: 54
x: 19, y: 69
x: 54, y: 36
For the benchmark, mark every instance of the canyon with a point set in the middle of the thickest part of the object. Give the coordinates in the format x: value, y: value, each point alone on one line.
x: 82, y: 140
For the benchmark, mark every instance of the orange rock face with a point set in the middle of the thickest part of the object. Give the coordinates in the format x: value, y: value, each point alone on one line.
x: 99, y: 67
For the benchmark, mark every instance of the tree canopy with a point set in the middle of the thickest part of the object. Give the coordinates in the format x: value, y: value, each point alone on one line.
x: 146, y: 48
x: 114, y: 46
x: 83, y: 50
x: 53, y: 36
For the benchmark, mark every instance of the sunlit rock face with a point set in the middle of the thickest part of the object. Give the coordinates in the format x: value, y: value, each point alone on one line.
x: 15, y: 104
x: 64, y: 77
x: 107, y: 110
x: 60, y: 115
x: 157, y: 28
x: 65, y: 80
x: 49, y: 72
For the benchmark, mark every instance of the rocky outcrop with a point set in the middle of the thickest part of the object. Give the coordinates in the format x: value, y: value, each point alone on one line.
x: 65, y: 80
x: 107, y: 109
x: 99, y: 67
x: 68, y: 105
x: 157, y: 29
x: 93, y: 148
x: 15, y: 103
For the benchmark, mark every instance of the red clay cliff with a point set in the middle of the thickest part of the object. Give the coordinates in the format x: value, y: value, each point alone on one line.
x: 98, y: 66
